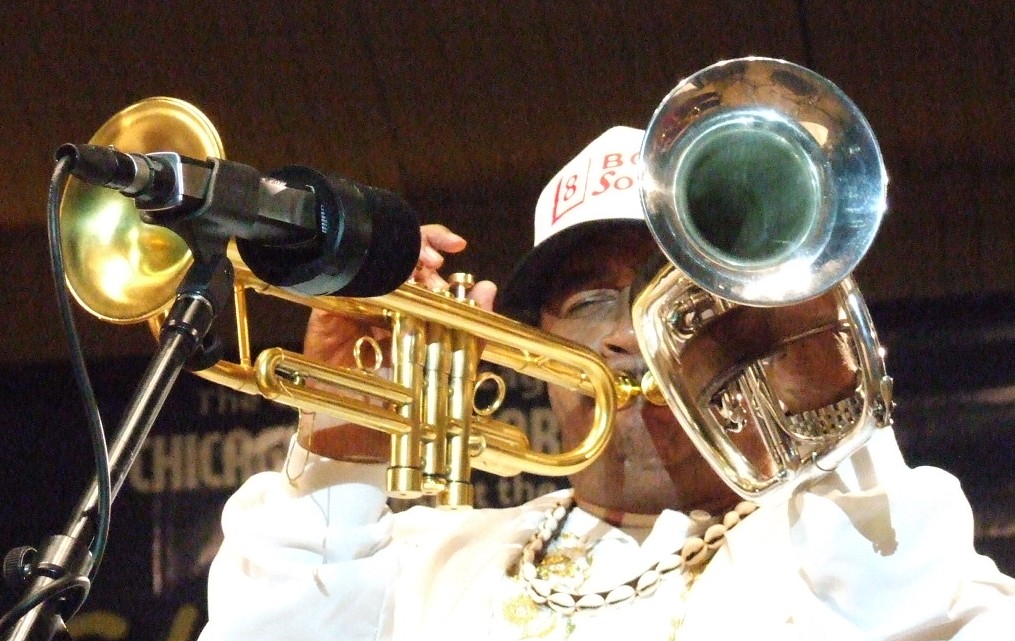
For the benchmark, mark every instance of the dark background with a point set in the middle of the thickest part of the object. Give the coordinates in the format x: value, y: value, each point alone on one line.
x: 467, y: 108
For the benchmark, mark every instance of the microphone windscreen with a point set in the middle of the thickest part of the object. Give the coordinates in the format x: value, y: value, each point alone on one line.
x: 394, y: 246
x: 368, y: 244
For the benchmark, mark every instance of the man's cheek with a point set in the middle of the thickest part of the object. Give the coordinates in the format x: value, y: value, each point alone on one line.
x: 574, y: 412
x: 663, y: 427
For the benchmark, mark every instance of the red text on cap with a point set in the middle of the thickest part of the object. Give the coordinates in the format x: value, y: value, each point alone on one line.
x: 615, y: 172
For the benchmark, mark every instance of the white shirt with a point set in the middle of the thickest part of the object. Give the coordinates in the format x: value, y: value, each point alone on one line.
x: 875, y: 551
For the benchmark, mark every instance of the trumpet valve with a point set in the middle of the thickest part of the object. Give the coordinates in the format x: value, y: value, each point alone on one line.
x: 404, y: 482
x: 457, y: 495
x: 459, y: 285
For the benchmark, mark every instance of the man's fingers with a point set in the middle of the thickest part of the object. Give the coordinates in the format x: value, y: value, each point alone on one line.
x: 441, y: 239
x: 329, y: 335
x: 435, y: 239
x: 430, y: 258
x: 483, y: 293
x: 430, y: 279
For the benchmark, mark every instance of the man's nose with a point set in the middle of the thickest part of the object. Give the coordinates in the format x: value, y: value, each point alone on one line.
x: 621, y: 339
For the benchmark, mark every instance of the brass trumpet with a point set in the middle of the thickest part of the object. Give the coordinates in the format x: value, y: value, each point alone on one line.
x: 125, y: 271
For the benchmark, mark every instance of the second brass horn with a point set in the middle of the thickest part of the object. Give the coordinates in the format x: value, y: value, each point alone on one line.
x: 762, y: 181
x: 124, y: 270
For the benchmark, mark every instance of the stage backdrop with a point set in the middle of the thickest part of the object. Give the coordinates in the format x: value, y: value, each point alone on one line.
x: 956, y: 393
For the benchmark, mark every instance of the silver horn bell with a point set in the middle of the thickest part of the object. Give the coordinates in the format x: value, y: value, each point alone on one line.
x: 764, y: 186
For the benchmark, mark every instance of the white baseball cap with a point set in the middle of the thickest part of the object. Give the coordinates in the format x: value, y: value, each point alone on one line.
x: 599, y: 186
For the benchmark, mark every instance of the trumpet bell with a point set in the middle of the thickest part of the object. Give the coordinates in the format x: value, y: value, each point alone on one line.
x: 762, y: 181
x: 118, y: 268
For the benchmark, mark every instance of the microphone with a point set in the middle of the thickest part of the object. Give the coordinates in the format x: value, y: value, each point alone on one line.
x: 296, y: 228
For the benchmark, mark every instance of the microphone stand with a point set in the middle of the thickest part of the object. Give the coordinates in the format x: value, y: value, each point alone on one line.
x: 315, y: 235
x: 57, y: 573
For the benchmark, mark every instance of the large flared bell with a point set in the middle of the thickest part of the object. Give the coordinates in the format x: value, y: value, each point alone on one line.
x: 119, y: 268
x: 762, y: 181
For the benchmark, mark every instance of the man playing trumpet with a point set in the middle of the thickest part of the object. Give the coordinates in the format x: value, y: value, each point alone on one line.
x: 648, y: 541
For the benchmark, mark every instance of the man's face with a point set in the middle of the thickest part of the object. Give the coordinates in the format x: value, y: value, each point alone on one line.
x: 590, y: 304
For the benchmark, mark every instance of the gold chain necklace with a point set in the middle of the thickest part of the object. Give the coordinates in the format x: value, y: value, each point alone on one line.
x: 692, y: 556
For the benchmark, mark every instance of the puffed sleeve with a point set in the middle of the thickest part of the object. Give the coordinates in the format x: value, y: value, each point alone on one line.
x: 891, y: 553
x: 304, y: 557
x: 875, y: 551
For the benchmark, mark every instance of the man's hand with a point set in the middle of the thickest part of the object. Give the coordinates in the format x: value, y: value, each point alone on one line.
x: 437, y: 241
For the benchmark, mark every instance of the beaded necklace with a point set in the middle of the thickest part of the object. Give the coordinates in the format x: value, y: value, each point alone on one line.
x: 691, y: 557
